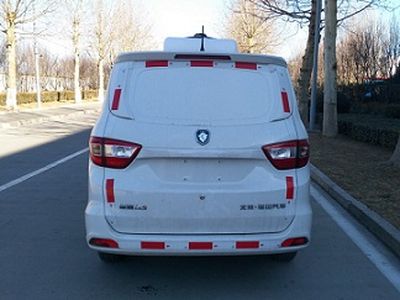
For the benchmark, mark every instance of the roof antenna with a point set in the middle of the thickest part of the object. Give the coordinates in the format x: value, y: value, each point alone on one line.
x: 202, y: 38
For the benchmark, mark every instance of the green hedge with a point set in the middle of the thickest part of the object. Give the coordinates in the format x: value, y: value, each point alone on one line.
x: 392, y: 111
x: 376, y: 108
x: 47, y: 96
x: 371, y: 129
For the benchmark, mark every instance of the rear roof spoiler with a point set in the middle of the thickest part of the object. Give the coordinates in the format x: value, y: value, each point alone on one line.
x: 163, y: 55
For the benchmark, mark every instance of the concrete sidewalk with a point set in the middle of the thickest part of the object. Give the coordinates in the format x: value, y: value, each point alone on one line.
x: 34, y: 116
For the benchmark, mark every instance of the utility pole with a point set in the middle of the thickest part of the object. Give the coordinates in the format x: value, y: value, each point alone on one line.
x: 37, y: 56
x: 313, y: 106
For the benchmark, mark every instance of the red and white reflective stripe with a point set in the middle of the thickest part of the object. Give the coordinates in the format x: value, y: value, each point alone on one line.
x: 110, y: 190
x: 201, y: 63
x: 285, y: 102
x: 156, y: 63
x: 289, y: 188
x: 245, y: 65
x: 200, y: 245
x: 115, y: 102
x: 152, y: 245
x: 247, y: 244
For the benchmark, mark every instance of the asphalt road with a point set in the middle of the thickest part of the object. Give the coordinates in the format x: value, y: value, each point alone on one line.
x: 43, y: 254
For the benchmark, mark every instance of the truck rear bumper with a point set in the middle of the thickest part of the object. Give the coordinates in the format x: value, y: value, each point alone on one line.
x: 221, y: 244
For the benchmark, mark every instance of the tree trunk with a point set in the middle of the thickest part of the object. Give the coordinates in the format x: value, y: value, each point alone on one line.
x: 395, y: 159
x: 11, y: 100
x: 101, y: 80
x: 77, y: 88
x: 75, y: 42
x: 306, y: 67
x: 100, y: 47
x: 329, y: 126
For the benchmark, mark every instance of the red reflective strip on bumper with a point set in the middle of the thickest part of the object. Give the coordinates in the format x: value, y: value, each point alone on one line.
x: 285, y: 102
x: 248, y: 245
x: 115, y: 102
x: 152, y: 245
x: 110, y: 190
x: 201, y: 63
x: 156, y: 63
x: 245, y: 65
x: 289, y: 187
x: 200, y: 245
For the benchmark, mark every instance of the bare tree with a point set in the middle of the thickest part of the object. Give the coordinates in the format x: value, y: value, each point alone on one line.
x: 89, y: 70
x: 2, y: 56
x: 393, y: 47
x: 76, y: 34
x: 329, y: 126
x: 303, y: 12
x: 14, y: 14
x: 293, y: 66
x: 366, y: 52
x: 64, y: 71
x: 100, y: 46
x: 116, y: 27
x: 349, y: 70
x: 25, y: 59
x: 74, y: 12
x: 48, y: 65
x: 394, y: 54
x: 130, y: 31
x: 253, y: 33
x: 372, y: 42
x: 102, y: 41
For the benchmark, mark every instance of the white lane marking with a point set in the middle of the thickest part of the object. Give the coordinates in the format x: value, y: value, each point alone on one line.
x: 387, y: 268
x: 41, y: 170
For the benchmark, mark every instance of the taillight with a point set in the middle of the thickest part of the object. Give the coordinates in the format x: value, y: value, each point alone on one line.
x: 105, y: 243
x: 288, y: 155
x: 292, y: 242
x: 111, y: 153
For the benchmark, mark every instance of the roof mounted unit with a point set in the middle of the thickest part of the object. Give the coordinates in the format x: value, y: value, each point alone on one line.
x: 200, y: 42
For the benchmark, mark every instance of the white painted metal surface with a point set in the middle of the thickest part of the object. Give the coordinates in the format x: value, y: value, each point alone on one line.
x: 216, y: 187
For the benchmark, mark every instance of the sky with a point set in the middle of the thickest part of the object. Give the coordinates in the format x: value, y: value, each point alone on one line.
x: 184, y: 17
x: 180, y: 18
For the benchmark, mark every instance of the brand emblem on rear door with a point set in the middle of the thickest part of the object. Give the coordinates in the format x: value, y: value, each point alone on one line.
x: 203, y: 136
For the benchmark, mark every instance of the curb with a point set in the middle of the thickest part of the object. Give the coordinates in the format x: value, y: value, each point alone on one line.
x: 381, y: 228
x: 43, y: 118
